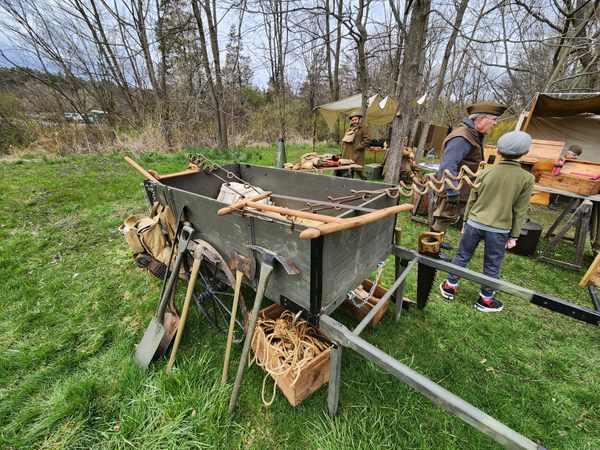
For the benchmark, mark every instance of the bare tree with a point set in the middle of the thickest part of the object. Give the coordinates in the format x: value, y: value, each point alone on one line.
x: 213, y: 73
x: 409, y: 79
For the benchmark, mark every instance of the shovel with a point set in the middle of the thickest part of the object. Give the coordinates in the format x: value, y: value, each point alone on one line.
x: 158, y: 327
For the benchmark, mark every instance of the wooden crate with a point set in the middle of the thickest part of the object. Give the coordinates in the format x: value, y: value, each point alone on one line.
x: 581, y: 168
x: 540, y: 167
x: 543, y: 150
x: 571, y: 183
x: 312, y: 376
x: 360, y: 313
x: 540, y: 198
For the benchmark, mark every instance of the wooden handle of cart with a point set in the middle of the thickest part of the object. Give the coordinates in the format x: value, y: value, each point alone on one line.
x: 242, y: 203
x: 252, y: 203
x: 140, y: 169
x: 353, y: 222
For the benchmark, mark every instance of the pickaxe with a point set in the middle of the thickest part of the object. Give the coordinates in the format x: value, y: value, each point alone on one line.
x: 266, y: 269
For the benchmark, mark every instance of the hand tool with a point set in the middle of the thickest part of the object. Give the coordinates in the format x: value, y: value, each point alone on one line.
x: 158, y: 327
x: 266, y: 269
x: 242, y: 266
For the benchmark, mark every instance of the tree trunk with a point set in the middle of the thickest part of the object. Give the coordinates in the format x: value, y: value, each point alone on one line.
x: 460, y: 13
x: 409, y: 79
x: 209, y: 77
x: 214, y: 46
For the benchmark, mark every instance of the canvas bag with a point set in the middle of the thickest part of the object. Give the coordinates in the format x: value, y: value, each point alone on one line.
x: 152, y: 235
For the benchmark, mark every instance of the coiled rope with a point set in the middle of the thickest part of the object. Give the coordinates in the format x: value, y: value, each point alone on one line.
x: 288, y: 348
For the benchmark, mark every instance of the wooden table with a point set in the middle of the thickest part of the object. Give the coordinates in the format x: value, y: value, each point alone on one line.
x: 376, y: 151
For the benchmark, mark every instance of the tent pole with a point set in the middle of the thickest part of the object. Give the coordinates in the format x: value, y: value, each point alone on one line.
x: 314, y: 129
x: 530, y: 112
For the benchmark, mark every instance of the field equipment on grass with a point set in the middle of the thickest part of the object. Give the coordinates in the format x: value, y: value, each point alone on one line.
x: 269, y: 259
x: 242, y: 266
x: 184, y: 311
x: 162, y: 327
x: 356, y: 232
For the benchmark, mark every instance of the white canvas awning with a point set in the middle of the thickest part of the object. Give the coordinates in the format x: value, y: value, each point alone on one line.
x: 572, y: 121
x: 380, y: 111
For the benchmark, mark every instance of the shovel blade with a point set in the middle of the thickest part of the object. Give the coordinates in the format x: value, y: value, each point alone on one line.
x: 150, y: 342
x: 171, y: 323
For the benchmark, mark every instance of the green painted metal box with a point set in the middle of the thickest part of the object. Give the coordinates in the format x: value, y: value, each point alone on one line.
x: 373, y: 172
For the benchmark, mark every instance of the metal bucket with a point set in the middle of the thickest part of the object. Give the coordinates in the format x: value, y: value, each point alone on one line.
x: 528, y: 239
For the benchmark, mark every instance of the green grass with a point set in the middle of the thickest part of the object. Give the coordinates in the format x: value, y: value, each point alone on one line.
x: 74, y: 306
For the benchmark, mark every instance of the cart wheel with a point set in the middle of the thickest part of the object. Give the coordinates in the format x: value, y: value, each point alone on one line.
x: 214, y: 296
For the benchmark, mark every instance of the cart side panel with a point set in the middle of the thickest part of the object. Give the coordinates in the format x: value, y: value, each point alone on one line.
x: 202, y: 183
x: 305, y: 185
x: 234, y: 232
x: 350, y: 256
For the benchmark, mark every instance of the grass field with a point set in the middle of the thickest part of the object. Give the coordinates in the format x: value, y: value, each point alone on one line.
x: 74, y: 306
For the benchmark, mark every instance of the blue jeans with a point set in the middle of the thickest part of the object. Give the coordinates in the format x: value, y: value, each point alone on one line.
x: 493, y: 253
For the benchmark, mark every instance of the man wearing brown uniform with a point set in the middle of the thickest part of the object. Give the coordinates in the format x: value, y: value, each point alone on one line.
x: 355, y: 141
x: 463, y: 146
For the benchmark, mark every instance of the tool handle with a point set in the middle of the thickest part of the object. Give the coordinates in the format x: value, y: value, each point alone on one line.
x: 353, y: 222
x: 242, y: 203
x: 265, y: 273
x: 179, y: 174
x: 140, y: 169
x: 184, y: 312
x: 184, y: 238
x: 236, y: 297
x: 294, y: 213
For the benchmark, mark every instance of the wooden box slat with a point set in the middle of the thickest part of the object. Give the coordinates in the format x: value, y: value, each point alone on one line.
x: 542, y: 149
x: 571, y: 183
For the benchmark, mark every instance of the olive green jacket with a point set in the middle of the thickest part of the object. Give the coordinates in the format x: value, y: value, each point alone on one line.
x: 354, y: 143
x: 502, y: 198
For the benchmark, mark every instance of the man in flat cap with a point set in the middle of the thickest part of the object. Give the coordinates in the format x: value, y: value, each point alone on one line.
x: 355, y: 141
x: 494, y: 214
x: 463, y: 146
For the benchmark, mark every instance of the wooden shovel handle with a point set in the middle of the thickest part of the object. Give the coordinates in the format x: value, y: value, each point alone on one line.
x: 184, y: 312
x: 140, y: 169
x: 242, y: 203
x: 236, y: 297
x: 353, y: 222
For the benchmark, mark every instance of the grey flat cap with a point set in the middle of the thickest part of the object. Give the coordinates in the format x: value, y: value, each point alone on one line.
x: 514, y: 143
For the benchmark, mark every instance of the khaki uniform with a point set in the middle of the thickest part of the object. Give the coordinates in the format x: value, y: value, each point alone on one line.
x: 447, y: 214
x: 354, y: 143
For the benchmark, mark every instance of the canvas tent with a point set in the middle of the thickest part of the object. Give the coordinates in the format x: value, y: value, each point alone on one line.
x: 573, y: 121
x: 380, y: 110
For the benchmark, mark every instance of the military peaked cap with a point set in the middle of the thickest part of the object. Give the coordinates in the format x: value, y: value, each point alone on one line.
x: 491, y: 108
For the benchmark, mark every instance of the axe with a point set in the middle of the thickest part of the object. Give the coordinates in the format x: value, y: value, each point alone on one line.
x: 243, y: 266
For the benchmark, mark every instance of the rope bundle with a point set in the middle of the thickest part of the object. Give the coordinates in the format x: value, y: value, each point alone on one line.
x: 288, y: 348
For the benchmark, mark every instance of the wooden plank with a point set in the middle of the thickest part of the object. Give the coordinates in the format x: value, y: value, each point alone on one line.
x: 543, y: 150
x: 570, y: 183
x: 540, y: 198
x: 333, y: 169
x: 580, y: 219
x: 580, y: 167
x: 562, y: 214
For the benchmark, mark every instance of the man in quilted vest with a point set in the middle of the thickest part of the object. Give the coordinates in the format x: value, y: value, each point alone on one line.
x: 463, y: 146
